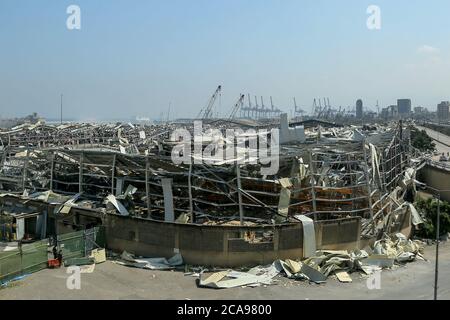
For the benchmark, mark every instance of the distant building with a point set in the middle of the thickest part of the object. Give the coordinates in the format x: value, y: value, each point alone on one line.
x: 421, y: 113
x: 443, y: 110
x: 390, y: 112
x: 384, y: 113
x: 359, y: 109
x: 419, y: 110
x: 404, y: 106
x: 394, y: 113
x: 371, y: 115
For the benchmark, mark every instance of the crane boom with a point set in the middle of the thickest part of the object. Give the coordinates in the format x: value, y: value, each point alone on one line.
x: 208, y: 110
x: 236, y: 107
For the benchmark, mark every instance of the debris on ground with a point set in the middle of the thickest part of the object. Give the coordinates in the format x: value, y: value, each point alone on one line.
x: 130, y: 260
x: 318, y: 268
x: 99, y: 255
x: 255, y: 277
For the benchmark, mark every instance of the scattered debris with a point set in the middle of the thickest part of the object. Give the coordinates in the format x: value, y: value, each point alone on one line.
x: 230, y: 279
x: 319, y: 267
x: 99, y: 255
x: 343, y: 276
x: 128, y: 259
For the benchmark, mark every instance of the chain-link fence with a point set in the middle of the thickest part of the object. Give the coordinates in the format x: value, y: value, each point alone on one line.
x: 27, y: 258
x: 80, y: 243
x: 33, y: 257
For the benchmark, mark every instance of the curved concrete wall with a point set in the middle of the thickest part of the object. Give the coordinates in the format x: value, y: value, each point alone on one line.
x: 199, y: 244
x: 222, y: 245
x: 438, y: 178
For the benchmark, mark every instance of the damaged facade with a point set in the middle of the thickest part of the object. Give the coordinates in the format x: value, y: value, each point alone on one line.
x: 337, y: 188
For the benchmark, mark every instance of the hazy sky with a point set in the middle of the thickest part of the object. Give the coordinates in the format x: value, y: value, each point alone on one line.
x: 135, y: 57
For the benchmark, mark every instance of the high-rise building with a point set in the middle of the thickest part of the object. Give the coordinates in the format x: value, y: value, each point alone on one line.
x: 393, y: 111
x: 359, y: 109
x: 418, y: 110
x: 443, y: 110
x: 404, y: 106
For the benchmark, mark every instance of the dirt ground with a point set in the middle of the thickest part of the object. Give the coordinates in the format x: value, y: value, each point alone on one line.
x: 111, y: 281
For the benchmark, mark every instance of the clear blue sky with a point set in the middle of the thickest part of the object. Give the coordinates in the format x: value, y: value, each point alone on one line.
x: 135, y: 57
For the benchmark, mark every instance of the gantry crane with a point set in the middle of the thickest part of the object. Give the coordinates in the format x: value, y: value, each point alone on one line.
x: 236, y: 107
x: 298, y: 111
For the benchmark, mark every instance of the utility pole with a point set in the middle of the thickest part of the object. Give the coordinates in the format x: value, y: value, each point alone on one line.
x: 61, y: 111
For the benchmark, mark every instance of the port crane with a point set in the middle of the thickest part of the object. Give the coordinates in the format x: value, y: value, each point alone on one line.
x: 297, y: 110
x: 207, y: 114
x: 236, y: 107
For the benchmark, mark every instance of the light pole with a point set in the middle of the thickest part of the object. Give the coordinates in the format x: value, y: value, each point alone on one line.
x: 436, y: 267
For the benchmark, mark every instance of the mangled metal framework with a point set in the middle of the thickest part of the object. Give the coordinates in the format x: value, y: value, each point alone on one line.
x: 130, y: 167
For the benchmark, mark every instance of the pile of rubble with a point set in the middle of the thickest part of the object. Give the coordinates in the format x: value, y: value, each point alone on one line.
x: 384, y: 255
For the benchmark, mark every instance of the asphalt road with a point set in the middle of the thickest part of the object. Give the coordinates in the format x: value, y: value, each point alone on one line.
x: 437, y: 136
x: 110, y: 281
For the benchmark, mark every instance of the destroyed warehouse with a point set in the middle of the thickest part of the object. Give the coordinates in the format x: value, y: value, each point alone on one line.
x: 337, y: 188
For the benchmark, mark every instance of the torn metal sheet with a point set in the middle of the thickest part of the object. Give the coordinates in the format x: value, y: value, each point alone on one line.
x: 230, y: 279
x: 213, y: 278
x: 280, y: 264
x: 65, y: 208
x: 119, y: 206
x: 49, y: 196
x: 130, y: 190
x: 405, y: 257
x: 309, y: 235
x: 285, y: 200
x: 294, y: 266
x: 415, y: 216
x: 151, y: 263
x: 312, y: 274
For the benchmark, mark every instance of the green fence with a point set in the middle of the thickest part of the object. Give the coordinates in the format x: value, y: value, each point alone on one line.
x: 80, y: 243
x: 32, y: 257
x: 27, y: 258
